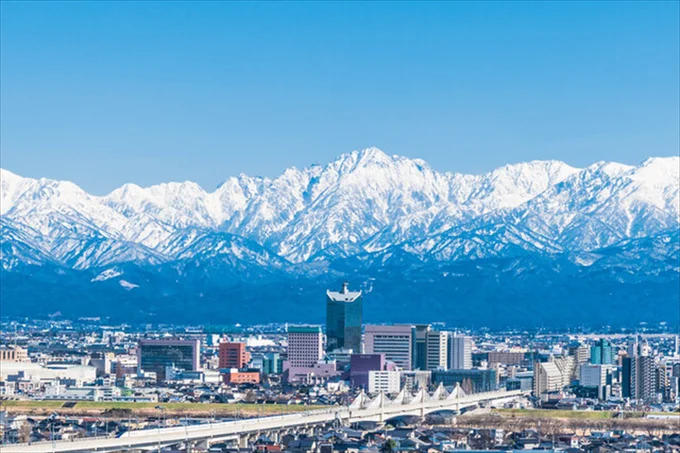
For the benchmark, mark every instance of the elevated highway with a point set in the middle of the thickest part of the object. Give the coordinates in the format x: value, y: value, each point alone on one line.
x: 378, y: 409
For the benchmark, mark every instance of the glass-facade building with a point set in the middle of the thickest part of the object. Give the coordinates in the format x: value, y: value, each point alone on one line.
x: 272, y: 363
x: 601, y: 353
x: 267, y: 363
x: 419, y: 338
x: 343, y: 319
x: 154, y: 355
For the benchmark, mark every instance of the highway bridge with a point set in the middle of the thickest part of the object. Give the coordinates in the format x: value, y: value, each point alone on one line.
x: 199, y: 437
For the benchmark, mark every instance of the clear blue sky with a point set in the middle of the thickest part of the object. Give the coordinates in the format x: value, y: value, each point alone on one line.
x: 103, y: 93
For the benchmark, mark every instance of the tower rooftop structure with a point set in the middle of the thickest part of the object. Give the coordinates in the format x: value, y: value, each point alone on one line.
x: 344, y: 295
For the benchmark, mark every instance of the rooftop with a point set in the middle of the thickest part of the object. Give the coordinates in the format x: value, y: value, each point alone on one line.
x: 344, y: 295
x: 304, y: 329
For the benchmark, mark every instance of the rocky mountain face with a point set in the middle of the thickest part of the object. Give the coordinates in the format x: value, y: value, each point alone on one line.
x: 422, y: 243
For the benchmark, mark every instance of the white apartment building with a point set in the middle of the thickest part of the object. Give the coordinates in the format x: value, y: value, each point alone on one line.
x: 384, y: 381
x: 436, y: 350
x: 547, y: 378
x: 567, y: 367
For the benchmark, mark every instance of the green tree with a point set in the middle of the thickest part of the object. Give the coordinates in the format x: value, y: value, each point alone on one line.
x: 388, y: 446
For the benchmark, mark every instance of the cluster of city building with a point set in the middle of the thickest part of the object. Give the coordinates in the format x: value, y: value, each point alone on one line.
x: 109, y: 364
x: 632, y: 371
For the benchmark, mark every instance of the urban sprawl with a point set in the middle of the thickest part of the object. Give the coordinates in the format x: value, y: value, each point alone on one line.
x: 67, y: 381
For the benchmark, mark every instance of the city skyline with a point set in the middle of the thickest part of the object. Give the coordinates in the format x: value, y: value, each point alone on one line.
x: 339, y: 227
x: 409, y: 376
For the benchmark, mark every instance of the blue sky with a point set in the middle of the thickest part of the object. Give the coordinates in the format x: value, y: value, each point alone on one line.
x: 103, y: 93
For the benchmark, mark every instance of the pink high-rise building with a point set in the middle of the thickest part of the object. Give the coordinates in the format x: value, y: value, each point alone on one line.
x: 305, y: 346
x: 396, y: 342
x: 305, y: 356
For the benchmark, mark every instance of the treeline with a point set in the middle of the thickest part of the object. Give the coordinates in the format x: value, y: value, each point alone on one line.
x: 577, y: 426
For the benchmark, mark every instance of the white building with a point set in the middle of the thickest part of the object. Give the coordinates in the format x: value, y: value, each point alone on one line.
x: 594, y: 375
x: 547, y: 378
x: 35, y: 372
x: 384, y: 381
x: 7, y: 388
x: 460, y: 352
x: 94, y: 393
x: 436, y: 350
x: 567, y: 366
x: 192, y: 377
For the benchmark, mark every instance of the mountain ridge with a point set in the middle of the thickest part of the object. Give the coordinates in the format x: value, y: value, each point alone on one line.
x: 362, y: 201
x: 605, y: 234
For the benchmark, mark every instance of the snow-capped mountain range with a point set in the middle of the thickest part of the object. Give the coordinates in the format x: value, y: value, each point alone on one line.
x: 598, y: 242
x: 363, y: 202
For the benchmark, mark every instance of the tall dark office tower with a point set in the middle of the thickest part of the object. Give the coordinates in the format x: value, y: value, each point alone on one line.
x: 627, y: 376
x: 343, y: 319
x: 419, y: 336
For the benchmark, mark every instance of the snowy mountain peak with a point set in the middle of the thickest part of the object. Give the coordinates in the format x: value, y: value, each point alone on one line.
x: 362, y: 202
x: 658, y: 169
x: 553, y: 169
x: 609, y: 169
x: 371, y: 154
x: 668, y: 161
x: 6, y: 175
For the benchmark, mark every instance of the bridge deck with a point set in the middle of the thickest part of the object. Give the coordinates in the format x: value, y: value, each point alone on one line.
x: 216, y: 431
